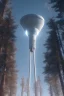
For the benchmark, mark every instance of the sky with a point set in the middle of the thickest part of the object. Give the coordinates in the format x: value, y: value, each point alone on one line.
x: 21, y: 8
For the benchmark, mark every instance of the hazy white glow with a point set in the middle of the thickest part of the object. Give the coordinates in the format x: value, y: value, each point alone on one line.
x: 37, y: 33
x: 26, y: 33
x: 43, y: 21
x: 42, y: 24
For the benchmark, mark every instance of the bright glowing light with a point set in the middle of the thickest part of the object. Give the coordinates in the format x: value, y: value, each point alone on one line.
x: 37, y: 33
x: 26, y: 33
x: 43, y: 22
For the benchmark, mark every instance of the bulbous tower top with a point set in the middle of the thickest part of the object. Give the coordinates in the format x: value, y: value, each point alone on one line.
x: 32, y: 21
x: 33, y: 24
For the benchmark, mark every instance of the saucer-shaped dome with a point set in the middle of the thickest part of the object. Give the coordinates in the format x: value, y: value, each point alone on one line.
x: 32, y: 21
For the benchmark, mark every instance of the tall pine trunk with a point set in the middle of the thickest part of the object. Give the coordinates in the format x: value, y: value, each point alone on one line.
x: 59, y: 65
x: 51, y: 90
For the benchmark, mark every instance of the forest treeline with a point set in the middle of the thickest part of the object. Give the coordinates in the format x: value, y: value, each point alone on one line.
x: 8, y: 71
x: 54, y: 55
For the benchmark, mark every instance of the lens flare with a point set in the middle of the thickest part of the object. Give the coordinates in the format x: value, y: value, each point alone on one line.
x: 26, y: 33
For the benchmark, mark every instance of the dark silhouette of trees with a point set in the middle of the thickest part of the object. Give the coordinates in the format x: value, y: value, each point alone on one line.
x: 2, y: 6
x: 58, y: 6
x: 8, y: 72
x: 54, y: 56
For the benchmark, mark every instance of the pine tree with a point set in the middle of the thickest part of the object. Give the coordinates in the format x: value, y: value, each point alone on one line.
x: 2, y: 6
x: 53, y: 57
x: 54, y: 85
x: 58, y: 6
x: 7, y: 54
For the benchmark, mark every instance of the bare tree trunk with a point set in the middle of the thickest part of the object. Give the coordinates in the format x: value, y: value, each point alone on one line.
x: 51, y: 90
x: 2, y: 85
x: 61, y: 80
x: 59, y: 65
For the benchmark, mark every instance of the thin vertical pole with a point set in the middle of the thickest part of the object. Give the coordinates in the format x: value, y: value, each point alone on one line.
x: 29, y: 72
x: 22, y: 87
x: 34, y: 66
x: 35, y: 78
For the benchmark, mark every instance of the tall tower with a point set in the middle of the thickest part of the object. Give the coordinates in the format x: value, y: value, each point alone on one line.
x: 32, y: 24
